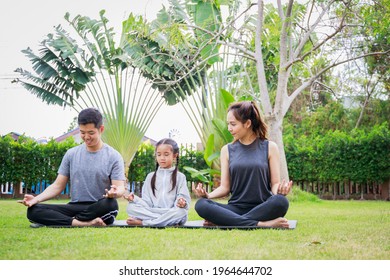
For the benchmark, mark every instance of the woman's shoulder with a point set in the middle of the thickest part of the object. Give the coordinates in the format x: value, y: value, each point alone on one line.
x: 273, y: 148
x: 271, y: 144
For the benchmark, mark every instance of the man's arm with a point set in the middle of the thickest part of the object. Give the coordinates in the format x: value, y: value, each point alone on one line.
x: 50, y: 192
x: 117, y: 189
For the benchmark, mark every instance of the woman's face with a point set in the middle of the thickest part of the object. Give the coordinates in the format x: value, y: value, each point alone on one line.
x: 165, y: 155
x: 237, y: 128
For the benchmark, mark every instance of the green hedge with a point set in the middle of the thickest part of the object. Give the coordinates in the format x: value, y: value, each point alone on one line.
x: 27, y: 161
x: 31, y: 163
x: 338, y: 156
x: 357, y: 157
x: 144, y: 162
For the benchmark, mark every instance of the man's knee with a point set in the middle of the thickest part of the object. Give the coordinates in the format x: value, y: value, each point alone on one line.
x: 109, y: 203
x: 32, y: 212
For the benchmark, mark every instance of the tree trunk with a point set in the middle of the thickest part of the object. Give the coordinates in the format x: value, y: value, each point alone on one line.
x: 276, y: 135
x: 362, y: 111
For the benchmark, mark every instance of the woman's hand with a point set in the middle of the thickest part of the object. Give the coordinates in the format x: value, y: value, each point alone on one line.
x: 284, y: 188
x: 199, y: 190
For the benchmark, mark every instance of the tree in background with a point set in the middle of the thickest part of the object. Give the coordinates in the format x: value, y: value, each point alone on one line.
x: 361, y: 82
x: 305, y: 36
x: 92, y: 71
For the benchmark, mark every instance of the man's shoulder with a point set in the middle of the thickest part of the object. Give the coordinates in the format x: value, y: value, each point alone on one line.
x: 110, y: 149
x: 75, y: 149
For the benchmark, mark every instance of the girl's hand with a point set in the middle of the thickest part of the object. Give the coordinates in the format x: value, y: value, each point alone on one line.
x: 199, y: 190
x: 284, y: 188
x: 181, y: 202
x: 129, y: 197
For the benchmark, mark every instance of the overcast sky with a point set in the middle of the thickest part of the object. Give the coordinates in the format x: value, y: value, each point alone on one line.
x: 25, y: 23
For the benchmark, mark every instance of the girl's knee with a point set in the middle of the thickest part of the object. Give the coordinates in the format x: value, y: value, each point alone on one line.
x: 132, y: 209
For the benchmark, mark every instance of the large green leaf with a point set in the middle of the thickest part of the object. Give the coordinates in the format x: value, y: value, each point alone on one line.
x: 209, y: 149
x: 220, y: 127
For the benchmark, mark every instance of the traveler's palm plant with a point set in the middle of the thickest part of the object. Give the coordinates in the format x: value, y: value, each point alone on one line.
x: 93, y: 72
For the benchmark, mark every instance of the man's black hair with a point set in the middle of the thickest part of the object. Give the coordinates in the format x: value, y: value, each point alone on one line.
x: 90, y: 115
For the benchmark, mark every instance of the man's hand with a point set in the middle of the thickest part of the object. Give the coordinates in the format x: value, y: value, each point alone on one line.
x: 112, y: 193
x: 29, y: 200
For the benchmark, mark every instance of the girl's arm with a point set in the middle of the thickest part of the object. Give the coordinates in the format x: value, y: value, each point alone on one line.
x: 146, y: 193
x: 183, y: 191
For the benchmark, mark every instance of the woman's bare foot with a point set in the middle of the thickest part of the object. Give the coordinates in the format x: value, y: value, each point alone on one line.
x: 133, y: 222
x: 208, y: 224
x: 97, y: 222
x: 277, y: 223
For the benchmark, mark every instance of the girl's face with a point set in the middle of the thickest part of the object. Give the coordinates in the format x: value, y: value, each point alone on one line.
x: 165, y: 155
x: 238, y: 129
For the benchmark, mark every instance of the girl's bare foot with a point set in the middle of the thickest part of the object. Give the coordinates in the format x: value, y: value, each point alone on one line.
x: 97, y: 222
x: 208, y: 224
x: 133, y: 222
x: 276, y: 223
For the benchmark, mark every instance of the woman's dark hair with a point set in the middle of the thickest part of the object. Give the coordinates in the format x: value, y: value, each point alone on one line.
x: 175, y: 150
x: 248, y: 110
x: 90, y: 115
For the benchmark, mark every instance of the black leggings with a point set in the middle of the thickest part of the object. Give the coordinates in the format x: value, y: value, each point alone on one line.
x: 230, y: 215
x: 63, y: 214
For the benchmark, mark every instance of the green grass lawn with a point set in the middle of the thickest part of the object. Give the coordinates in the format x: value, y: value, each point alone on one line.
x: 326, y: 230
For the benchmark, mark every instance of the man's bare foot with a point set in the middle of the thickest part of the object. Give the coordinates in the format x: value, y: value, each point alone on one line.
x: 97, y: 222
x: 133, y: 222
x: 208, y: 224
x: 276, y: 223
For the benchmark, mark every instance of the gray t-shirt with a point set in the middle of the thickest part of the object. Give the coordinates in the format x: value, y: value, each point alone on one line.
x: 249, y: 173
x: 90, y: 173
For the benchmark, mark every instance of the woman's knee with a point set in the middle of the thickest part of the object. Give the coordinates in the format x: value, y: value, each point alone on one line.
x: 200, y: 205
x: 282, y: 202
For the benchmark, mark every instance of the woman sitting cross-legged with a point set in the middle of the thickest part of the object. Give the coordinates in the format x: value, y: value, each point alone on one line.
x: 250, y: 173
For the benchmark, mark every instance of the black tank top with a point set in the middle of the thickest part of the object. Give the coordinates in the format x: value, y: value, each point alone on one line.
x: 249, y: 173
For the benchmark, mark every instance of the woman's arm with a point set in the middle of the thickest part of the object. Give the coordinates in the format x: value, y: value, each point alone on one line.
x: 274, y: 165
x: 224, y: 188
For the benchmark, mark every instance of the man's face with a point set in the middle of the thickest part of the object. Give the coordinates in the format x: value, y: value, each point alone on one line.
x: 91, y: 135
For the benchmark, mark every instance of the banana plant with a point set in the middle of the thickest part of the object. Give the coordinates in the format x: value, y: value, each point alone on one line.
x: 93, y: 71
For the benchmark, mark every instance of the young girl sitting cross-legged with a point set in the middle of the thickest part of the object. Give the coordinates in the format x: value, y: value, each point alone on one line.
x: 165, y: 196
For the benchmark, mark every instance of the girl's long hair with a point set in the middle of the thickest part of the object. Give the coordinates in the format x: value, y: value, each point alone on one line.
x: 175, y: 151
x: 248, y: 110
